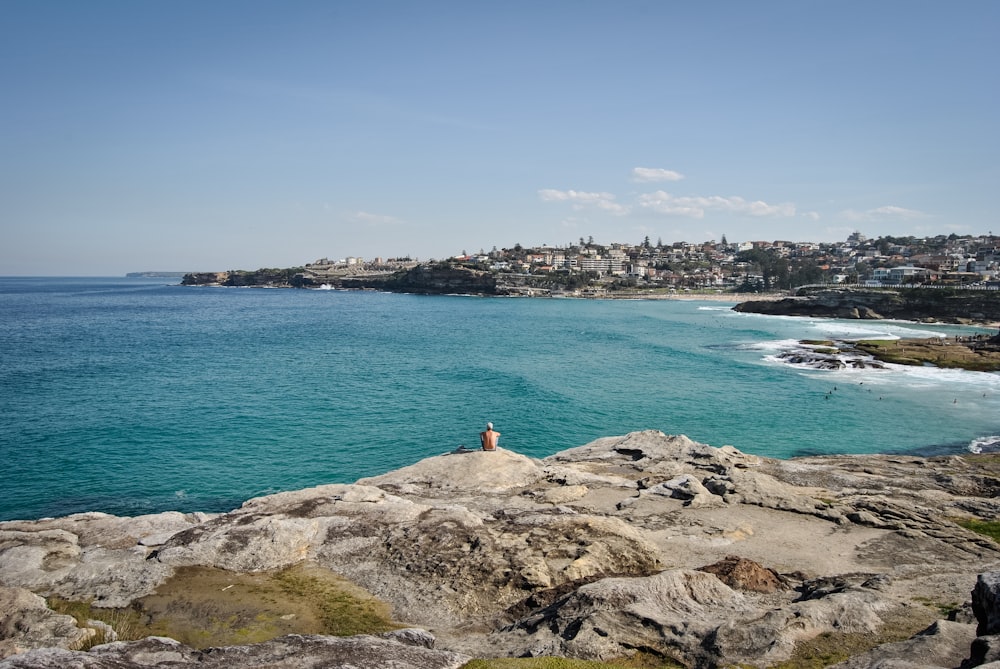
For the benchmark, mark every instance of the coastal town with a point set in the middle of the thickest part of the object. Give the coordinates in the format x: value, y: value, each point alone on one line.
x: 760, y: 265
x: 587, y: 267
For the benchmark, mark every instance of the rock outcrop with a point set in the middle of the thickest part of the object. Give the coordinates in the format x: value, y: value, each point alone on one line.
x: 913, y: 304
x: 293, y: 651
x: 647, y: 542
x: 26, y: 623
x: 440, y: 279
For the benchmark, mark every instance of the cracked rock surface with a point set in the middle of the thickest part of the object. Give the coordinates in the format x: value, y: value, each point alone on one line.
x: 704, y: 555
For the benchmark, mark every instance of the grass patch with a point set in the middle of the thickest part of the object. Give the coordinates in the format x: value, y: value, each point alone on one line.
x: 830, y: 648
x: 126, y: 623
x: 890, y: 351
x: 637, y: 661
x: 934, y: 352
x: 987, y: 528
x: 343, y: 610
x: 943, y: 609
x: 988, y: 463
x: 204, y: 607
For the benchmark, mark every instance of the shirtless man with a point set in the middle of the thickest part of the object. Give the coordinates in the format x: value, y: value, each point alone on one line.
x: 489, y: 438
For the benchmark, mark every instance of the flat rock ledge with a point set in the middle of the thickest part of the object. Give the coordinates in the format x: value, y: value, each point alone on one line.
x: 705, y: 556
x: 292, y: 651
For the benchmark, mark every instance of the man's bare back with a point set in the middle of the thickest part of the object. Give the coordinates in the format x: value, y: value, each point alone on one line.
x: 489, y: 438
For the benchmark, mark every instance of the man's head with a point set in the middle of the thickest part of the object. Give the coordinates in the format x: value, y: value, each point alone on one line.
x: 489, y: 426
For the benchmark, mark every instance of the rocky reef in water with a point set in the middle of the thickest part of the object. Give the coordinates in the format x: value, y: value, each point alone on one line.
x: 643, y: 543
x: 977, y: 353
x: 912, y: 304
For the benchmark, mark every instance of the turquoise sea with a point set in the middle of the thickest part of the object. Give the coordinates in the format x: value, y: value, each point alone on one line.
x: 133, y: 396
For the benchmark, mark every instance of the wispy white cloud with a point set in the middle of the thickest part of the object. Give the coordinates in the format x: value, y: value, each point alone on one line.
x: 552, y: 195
x: 650, y: 174
x: 584, y: 199
x: 662, y: 202
x: 886, y: 213
x: 367, y: 218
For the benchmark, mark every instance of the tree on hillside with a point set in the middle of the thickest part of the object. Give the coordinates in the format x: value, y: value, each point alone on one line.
x: 805, y: 272
x: 773, y: 268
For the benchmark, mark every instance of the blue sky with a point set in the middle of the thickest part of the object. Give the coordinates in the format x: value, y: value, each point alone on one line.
x: 199, y: 136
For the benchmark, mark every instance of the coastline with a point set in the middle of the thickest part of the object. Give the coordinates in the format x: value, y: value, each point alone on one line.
x: 927, y: 305
x: 698, y: 297
x: 678, y: 348
x: 497, y: 554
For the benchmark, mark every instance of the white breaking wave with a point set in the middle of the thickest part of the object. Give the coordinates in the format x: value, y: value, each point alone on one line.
x: 866, y: 368
x: 880, y: 330
x: 773, y: 345
x: 990, y: 444
x: 832, y: 328
x: 818, y: 357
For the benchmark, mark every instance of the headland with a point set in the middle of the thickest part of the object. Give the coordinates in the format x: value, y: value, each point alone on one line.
x: 647, y: 547
x: 926, y: 304
x: 979, y: 352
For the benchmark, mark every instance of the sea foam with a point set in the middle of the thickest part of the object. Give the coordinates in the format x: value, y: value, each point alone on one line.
x: 990, y: 444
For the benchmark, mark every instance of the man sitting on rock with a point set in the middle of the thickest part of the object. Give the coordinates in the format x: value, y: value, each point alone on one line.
x: 489, y: 438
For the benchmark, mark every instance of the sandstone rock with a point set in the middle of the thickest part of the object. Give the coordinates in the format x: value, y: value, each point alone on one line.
x: 495, y: 471
x: 26, y: 622
x: 944, y: 644
x: 984, y: 650
x: 986, y: 603
x: 54, y: 563
x: 112, y: 532
x: 590, y: 552
x: 293, y: 651
x: 687, y: 616
x: 690, y: 489
x: 742, y: 574
x: 563, y: 494
x: 664, y: 613
x: 754, y: 487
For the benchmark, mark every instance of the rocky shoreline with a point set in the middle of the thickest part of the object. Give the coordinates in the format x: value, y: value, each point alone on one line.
x: 641, y: 546
x: 979, y: 353
x: 966, y: 307
x: 976, y: 353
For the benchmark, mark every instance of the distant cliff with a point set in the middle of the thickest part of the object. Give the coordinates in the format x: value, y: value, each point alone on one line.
x: 912, y: 304
x: 429, y: 280
x: 436, y: 279
x: 265, y: 277
x: 155, y: 275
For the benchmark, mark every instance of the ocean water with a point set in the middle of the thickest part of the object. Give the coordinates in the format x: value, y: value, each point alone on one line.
x: 134, y: 396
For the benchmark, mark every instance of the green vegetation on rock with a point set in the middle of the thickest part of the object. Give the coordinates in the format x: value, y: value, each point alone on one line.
x: 936, y: 352
x: 126, y: 623
x: 638, y: 661
x: 204, y: 607
x: 987, y: 528
x: 830, y: 648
